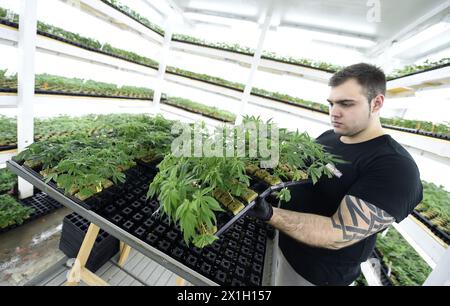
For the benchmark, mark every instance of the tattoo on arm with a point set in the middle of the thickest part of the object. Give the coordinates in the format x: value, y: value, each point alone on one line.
x: 357, y: 220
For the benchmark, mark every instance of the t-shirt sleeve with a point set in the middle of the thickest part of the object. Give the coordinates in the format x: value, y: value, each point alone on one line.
x: 392, y: 183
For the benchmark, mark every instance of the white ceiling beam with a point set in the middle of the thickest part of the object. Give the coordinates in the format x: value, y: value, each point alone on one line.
x: 178, y: 10
x: 433, y: 15
x: 220, y: 14
x: 431, y: 51
x: 340, y: 45
x: 149, y: 4
x: 327, y: 31
x: 220, y: 25
x: 281, y: 24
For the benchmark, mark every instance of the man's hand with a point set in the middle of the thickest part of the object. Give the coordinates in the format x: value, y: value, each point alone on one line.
x: 262, y: 210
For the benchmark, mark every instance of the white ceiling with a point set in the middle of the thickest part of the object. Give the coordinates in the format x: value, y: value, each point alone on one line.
x: 398, y: 20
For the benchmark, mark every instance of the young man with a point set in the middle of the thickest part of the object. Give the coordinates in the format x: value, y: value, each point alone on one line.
x: 328, y: 229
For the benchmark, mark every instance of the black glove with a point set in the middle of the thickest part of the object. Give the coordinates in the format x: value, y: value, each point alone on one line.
x: 262, y: 210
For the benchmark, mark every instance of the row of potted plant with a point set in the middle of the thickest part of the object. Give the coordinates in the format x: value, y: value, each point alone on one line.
x: 402, y: 265
x: 84, y: 155
x: 201, y: 108
x: 87, y: 161
x: 134, y: 15
x: 82, y: 41
x: 8, y: 131
x: 420, y: 125
x: 406, y: 266
x: 52, y: 83
x: 241, y: 87
x: 12, y: 212
x: 64, y: 125
x: 308, y: 63
x: 413, y: 69
x: 435, y: 206
x: 8, y: 181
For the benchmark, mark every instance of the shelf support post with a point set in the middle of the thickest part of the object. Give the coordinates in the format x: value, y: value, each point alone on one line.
x: 440, y: 276
x: 254, y: 67
x: 26, y: 81
x: 163, y: 62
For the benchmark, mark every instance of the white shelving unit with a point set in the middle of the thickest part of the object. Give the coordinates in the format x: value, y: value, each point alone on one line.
x: 309, y: 73
x: 428, y: 79
x: 8, y: 101
x: 434, y: 148
x: 44, y: 44
x: 426, y: 244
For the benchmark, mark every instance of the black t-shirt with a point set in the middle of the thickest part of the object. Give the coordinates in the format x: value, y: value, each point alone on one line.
x: 379, y: 171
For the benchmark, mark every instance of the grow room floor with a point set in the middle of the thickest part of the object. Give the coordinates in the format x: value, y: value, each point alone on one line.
x: 28, y: 250
x: 30, y: 256
x: 137, y: 271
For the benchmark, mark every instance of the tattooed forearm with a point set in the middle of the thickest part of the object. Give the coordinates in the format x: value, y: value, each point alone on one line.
x: 310, y: 229
x: 357, y: 220
x: 290, y: 222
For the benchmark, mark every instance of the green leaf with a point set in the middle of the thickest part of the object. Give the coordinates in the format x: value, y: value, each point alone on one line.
x: 204, y: 240
x: 284, y: 195
x: 213, y: 204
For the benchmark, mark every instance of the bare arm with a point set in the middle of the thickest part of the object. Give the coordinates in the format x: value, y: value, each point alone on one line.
x: 354, y: 221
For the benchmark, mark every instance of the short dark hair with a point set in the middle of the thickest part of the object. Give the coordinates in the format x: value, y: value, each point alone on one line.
x: 370, y: 77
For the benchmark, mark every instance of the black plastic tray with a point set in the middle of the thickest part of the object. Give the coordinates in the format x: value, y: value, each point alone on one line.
x: 237, y: 258
x: 143, y: 173
x: 8, y: 147
x: 436, y: 230
x: 384, y: 278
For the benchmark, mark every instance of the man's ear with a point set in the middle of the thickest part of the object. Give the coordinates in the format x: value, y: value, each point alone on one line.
x: 377, y: 103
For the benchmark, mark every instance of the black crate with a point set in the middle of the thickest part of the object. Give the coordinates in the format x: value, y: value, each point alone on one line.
x: 73, y: 232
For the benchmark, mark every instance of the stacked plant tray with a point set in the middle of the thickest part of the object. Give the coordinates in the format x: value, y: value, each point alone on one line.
x: 73, y: 232
x: 432, y: 227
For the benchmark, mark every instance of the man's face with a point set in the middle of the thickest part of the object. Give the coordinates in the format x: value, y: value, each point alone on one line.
x: 349, y: 108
